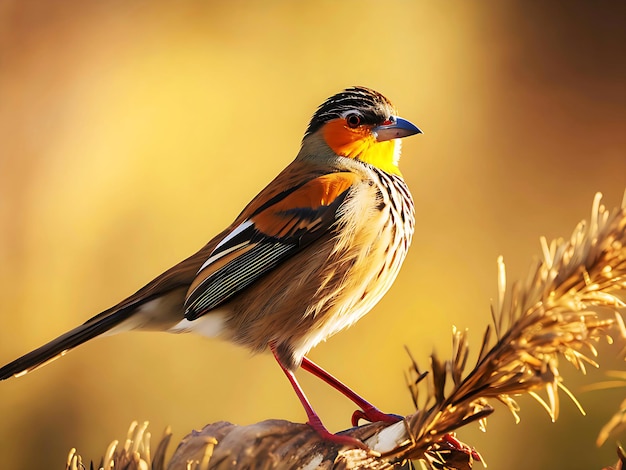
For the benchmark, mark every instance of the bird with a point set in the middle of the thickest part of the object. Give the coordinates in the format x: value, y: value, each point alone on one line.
x: 311, y: 254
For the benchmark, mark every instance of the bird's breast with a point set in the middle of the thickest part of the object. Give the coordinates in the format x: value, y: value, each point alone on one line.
x: 374, y: 233
x: 331, y: 283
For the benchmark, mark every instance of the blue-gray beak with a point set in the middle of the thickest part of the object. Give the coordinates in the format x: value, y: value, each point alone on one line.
x: 396, y: 129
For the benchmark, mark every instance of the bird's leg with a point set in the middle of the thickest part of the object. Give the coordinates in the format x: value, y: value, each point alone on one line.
x: 368, y: 411
x: 313, y: 419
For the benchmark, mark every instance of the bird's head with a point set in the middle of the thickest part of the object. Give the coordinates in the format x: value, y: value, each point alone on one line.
x: 361, y: 124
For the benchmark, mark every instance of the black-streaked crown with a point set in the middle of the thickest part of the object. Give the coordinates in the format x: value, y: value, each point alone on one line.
x: 373, y: 107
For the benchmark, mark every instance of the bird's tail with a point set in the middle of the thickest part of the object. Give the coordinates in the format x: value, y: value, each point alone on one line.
x: 58, y: 347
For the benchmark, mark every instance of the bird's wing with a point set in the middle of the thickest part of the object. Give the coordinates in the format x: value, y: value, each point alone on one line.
x: 266, y: 235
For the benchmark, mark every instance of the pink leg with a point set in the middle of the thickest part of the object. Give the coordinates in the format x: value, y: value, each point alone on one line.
x: 368, y: 411
x: 313, y: 419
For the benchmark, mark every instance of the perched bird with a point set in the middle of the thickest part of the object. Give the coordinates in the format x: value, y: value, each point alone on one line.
x: 311, y: 254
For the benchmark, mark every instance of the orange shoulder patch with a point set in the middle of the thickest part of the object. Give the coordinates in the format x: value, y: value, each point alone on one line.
x: 321, y: 191
x: 304, y: 207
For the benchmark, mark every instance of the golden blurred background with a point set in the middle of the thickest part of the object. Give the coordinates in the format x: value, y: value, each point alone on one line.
x: 132, y: 132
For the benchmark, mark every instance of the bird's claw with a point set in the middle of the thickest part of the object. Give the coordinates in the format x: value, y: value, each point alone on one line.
x: 374, y: 415
x: 341, y: 439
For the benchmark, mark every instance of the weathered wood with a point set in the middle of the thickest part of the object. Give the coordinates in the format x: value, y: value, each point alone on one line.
x: 281, y: 444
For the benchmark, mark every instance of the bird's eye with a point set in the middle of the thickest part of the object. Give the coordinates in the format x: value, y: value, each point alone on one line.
x: 353, y: 120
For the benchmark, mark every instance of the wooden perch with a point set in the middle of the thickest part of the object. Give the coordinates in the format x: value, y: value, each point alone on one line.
x: 282, y: 444
x: 275, y: 444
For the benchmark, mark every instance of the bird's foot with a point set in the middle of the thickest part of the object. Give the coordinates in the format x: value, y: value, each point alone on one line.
x: 343, y: 440
x: 374, y: 415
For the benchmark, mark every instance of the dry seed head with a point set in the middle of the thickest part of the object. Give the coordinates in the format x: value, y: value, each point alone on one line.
x: 569, y: 300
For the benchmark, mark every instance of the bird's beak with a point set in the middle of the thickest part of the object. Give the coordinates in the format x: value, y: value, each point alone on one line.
x: 395, y: 129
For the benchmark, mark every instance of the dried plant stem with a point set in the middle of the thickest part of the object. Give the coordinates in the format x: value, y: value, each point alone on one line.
x: 569, y: 301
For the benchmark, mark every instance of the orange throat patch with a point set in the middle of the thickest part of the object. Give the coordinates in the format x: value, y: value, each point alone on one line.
x: 360, y: 144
